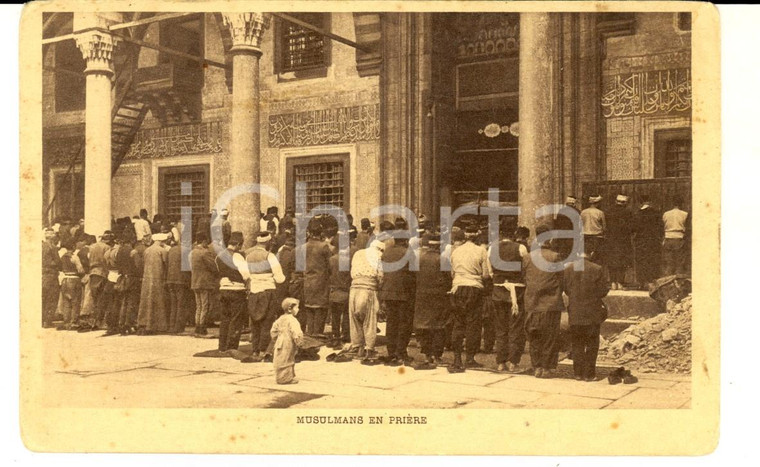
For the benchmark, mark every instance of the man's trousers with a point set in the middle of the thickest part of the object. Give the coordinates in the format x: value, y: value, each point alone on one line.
x: 232, y: 318
x: 398, y: 330
x: 467, y: 306
x: 584, y: 341
x: 543, y: 335
x: 363, y: 306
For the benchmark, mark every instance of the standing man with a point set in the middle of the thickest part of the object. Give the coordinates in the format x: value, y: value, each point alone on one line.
x: 563, y: 222
x: 142, y: 225
x: 397, y: 297
x: 226, y: 227
x: 544, y: 305
x: 265, y: 273
x: 151, y: 316
x: 340, y: 286
x: 114, y: 298
x: 431, y: 302
x: 469, y: 271
x: 362, y: 238
x: 618, y: 241
x: 585, y: 286
x: 234, y: 274
x: 203, y: 281
x: 648, y: 230
x: 71, y: 285
x: 508, y: 293
x: 594, y: 225
x: 363, y: 305
x: 674, y: 249
x: 128, y: 286
x: 51, y: 265
x: 177, y: 285
x: 99, y: 287
x: 316, y: 281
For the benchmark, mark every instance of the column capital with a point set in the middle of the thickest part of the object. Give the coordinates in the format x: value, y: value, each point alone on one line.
x: 246, y: 29
x: 97, y: 48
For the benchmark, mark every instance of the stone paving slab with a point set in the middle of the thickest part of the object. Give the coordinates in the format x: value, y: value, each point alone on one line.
x: 651, y: 398
x: 473, y: 377
x: 160, y: 371
x: 467, y: 391
x: 599, y: 389
x: 563, y: 401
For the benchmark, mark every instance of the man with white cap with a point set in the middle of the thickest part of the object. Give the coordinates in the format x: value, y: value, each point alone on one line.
x: 363, y: 304
x: 226, y: 227
x: 618, y: 242
x: 469, y: 270
x: 266, y: 272
x: 594, y: 224
x: 151, y: 315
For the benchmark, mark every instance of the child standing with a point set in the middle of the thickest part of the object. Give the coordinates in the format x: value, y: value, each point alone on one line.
x: 585, y: 285
x: 286, y: 332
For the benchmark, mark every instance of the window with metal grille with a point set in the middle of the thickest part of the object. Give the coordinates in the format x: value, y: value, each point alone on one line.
x: 673, y: 153
x: 183, y: 187
x: 325, y: 177
x: 301, y: 48
x: 678, y: 158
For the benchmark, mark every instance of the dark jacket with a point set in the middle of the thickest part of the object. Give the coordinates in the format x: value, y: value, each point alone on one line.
x: 204, y: 273
x: 316, y: 276
x: 174, y: 272
x: 51, y: 262
x: 340, y: 281
x: 399, y: 284
x: 543, y: 289
x: 585, y: 289
x: 508, y: 251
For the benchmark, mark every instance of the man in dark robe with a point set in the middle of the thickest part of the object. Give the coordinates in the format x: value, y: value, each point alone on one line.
x: 618, y: 246
x: 397, y: 296
x: 647, y: 225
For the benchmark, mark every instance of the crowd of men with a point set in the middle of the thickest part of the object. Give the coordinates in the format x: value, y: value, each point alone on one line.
x: 135, y: 279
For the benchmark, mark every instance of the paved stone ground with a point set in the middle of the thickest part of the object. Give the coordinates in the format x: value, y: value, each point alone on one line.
x: 160, y: 371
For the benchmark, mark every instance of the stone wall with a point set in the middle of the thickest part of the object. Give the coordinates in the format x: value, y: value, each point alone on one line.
x: 646, y: 85
x: 342, y: 91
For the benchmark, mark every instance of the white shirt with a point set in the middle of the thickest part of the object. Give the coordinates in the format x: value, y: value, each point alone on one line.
x: 266, y: 280
x: 242, y: 266
x: 675, y: 223
x: 142, y: 228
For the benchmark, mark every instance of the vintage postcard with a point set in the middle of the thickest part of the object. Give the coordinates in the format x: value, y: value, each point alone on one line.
x: 262, y: 227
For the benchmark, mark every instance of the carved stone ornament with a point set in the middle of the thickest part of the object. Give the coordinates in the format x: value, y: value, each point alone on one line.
x: 97, y: 49
x: 246, y: 29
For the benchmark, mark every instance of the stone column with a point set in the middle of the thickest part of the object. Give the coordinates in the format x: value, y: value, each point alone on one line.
x: 97, y: 47
x: 537, y: 115
x: 246, y: 30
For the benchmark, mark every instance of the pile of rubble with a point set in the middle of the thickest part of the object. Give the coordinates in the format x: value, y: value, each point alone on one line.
x: 660, y: 344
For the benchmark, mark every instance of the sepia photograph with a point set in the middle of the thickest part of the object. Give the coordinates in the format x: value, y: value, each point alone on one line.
x: 362, y: 213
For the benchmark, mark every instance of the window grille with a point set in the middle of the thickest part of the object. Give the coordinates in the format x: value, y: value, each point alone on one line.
x: 302, y: 48
x: 324, y: 183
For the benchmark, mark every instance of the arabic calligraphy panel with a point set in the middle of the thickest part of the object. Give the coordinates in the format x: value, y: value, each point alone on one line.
x: 647, y: 93
x: 325, y: 126
x: 180, y: 140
